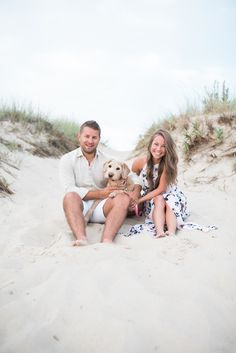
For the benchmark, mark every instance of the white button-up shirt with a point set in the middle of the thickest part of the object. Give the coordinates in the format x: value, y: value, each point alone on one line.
x: 76, y: 175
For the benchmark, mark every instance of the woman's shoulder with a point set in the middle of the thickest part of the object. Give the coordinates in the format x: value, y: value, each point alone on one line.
x: 139, y: 163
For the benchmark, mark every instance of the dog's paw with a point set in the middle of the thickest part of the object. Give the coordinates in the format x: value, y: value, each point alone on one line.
x: 112, y: 195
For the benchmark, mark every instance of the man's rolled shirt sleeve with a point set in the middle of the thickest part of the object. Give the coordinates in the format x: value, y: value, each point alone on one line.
x: 76, y: 175
x: 67, y: 177
x: 79, y: 190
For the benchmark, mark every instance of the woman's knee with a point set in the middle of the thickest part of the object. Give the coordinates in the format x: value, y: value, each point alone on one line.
x: 159, y: 201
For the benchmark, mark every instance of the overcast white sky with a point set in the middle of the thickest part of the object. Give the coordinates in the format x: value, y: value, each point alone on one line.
x: 124, y: 63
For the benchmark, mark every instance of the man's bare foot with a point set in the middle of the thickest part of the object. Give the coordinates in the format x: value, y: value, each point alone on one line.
x: 80, y: 242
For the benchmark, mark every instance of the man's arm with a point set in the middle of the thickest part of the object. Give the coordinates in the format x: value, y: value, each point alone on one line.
x: 99, y: 194
x: 67, y: 178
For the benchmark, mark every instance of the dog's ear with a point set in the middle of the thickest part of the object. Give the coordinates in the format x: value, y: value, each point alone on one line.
x: 105, y: 166
x: 125, y: 170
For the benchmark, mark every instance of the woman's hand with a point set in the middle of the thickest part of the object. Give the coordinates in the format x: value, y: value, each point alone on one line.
x: 139, y: 201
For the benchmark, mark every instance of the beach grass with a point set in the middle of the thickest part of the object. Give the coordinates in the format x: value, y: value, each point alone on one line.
x: 5, y: 188
x: 199, y: 123
x: 59, y: 136
x: 41, y: 122
x: 195, y: 121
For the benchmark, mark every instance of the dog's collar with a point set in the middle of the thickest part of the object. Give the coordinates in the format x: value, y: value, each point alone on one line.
x: 119, y: 182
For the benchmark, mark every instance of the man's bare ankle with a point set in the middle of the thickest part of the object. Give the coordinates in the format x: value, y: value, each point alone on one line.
x: 82, y: 240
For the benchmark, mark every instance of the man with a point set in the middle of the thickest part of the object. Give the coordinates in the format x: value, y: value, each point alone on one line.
x: 81, y: 175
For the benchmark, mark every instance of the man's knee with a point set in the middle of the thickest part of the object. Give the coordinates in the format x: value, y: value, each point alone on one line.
x: 72, y: 198
x: 122, y: 200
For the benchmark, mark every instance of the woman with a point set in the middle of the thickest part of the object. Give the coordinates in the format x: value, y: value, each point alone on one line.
x: 164, y: 204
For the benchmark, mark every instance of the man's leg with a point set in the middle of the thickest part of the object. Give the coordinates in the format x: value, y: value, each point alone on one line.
x: 115, y: 209
x: 73, y: 208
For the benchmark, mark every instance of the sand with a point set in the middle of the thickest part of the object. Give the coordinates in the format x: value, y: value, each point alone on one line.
x: 138, y: 295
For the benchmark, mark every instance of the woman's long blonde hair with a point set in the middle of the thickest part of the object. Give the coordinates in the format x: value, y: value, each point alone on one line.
x: 169, y: 161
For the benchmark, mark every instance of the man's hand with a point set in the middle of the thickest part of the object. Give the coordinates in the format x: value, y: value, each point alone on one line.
x: 104, y: 193
x: 134, y: 197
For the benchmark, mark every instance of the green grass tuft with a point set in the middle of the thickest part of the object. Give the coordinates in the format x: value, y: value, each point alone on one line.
x: 68, y: 128
x: 217, y: 99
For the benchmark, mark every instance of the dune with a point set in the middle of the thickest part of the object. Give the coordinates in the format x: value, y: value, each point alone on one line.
x: 138, y: 295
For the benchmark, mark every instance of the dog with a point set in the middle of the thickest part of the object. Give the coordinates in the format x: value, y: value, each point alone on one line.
x: 117, y: 174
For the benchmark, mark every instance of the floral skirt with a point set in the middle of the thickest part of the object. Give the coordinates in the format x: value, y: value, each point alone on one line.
x: 177, y: 201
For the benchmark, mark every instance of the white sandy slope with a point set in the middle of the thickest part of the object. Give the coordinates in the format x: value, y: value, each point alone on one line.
x: 139, y: 295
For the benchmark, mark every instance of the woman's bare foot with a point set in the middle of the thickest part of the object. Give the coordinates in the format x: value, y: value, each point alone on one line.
x: 107, y: 241
x: 169, y: 233
x: 160, y: 235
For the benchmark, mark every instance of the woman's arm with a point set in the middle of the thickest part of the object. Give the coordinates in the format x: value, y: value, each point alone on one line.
x: 138, y: 164
x: 159, y: 190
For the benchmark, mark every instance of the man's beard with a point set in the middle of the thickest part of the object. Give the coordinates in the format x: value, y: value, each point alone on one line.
x: 87, y: 150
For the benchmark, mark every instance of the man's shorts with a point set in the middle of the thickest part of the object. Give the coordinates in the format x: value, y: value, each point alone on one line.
x: 98, y: 215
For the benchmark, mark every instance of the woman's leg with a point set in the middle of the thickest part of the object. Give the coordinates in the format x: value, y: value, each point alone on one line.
x: 158, y: 215
x: 170, y: 221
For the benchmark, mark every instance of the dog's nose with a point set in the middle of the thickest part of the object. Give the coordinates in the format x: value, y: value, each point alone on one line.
x: 110, y: 175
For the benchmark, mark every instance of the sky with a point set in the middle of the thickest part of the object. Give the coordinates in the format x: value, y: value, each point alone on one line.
x: 123, y: 63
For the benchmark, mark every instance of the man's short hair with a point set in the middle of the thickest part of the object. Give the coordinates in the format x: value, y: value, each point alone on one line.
x: 92, y: 124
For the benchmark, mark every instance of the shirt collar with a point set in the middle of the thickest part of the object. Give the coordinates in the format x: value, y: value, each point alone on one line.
x: 79, y: 153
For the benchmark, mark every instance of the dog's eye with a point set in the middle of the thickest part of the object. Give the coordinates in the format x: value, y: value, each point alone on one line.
x: 118, y: 168
x: 109, y: 166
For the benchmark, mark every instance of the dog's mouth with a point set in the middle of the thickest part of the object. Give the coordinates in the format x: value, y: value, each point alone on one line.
x: 112, y: 177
